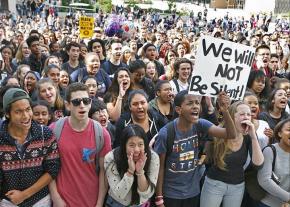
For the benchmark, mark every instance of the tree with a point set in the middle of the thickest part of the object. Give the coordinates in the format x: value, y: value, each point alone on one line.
x: 105, y: 5
x: 171, y: 5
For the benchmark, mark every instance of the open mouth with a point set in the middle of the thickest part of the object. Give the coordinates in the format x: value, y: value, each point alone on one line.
x: 65, y: 82
x: 254, y: 111
x: 26, y: 123
x: 82, y: 112
x: 49, y: 98
x: 125, y: 84
x: 29, y: 86
x: 244, y: 126
x: 140, y: 113
x: 195, y: 113
x: 103, y: 121
x: 265, y: 61
x: 92, y: 93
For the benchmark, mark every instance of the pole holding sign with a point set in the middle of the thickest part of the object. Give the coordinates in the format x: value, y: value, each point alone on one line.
x: 221, y: 65
x: 86, y: 27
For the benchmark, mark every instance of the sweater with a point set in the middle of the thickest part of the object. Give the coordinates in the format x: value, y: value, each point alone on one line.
x: 276, y: 194
x: 23, y: 165
x: 121, y: 188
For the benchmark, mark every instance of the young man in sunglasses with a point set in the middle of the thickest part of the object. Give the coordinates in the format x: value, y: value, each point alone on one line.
x: 78, y: 183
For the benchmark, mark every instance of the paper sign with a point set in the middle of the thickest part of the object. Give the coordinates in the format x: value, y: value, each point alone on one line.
x: 221, y: 65
x: 86, y: 26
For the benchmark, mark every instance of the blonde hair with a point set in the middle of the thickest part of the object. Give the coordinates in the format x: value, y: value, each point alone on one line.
x: 19, y: 55
x: 58, y: 104
x: 218, y: 149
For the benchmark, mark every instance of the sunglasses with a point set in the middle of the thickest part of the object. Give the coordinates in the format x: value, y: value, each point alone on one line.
x: 77, y: 101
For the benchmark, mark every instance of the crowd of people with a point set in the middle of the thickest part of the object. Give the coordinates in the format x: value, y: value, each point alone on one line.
x: 108, y: 121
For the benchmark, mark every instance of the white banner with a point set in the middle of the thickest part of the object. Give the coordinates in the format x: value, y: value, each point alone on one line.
x: 221, y: 65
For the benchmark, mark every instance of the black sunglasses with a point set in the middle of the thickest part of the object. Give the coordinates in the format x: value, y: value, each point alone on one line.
x: 77, y: 101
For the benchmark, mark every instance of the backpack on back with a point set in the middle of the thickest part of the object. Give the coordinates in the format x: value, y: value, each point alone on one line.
x: 99, y: 137
x: 252, y: 185
x: 171, y: 136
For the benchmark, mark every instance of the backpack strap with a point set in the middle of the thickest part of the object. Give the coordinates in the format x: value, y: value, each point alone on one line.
x: 176, y: 85
x: 106, y: 66
x: 58, y: 128
x: 274, y: 156
x: 99, y: 137
x: 170, y: 138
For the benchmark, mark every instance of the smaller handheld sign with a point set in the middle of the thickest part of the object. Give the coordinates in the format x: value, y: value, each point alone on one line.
x: 86, y: 26
x: 221, y: 65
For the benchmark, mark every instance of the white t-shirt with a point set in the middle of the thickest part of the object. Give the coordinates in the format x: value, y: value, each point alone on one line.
x: 262, y: 138
x: 182, y: 86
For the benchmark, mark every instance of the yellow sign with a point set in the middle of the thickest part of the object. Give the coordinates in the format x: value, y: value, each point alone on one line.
x: 86, y: 26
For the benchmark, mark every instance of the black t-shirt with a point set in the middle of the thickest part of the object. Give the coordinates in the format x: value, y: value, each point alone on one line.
x: 270, y: 120
x: 110, y: 68
x: 235, y: 161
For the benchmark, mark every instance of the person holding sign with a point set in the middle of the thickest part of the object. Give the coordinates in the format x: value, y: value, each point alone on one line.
x: 224, y: 182
x: 180, y: 168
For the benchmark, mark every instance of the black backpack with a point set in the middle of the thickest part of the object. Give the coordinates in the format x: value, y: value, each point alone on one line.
x: 253, y: 188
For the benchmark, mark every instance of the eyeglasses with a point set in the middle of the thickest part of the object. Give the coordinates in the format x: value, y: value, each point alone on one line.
x: 265, y: 54
x: 92, y: 85
x: 274, y: 61
x: 77, y: 101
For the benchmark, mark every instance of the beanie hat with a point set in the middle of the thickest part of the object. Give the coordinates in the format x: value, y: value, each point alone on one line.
x: 12, y: 95
x: 36, y: 74
x: 145, y: 47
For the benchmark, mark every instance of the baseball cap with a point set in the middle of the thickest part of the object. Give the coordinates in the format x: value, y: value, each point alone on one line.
x: 12, y: 95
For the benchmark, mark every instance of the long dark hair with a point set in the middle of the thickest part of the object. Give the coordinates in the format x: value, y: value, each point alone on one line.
x: 257, y: 74
x: 270, y: 104
x: 121, y: 159
x: 114, y: 88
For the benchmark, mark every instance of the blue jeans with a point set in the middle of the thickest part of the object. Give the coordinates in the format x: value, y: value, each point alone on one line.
x: 260, y: 204
x: 215, y: 192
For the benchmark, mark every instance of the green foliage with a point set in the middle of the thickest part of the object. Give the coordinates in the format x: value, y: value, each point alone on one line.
x: 105, y: 5
x: 171, y: 5
x: 133, y: 3
x: 65, y: 2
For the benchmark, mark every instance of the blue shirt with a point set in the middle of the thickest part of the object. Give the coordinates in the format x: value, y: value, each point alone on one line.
x: 182, y: 174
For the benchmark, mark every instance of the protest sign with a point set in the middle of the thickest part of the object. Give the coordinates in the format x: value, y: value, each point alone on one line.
x: 221, y: 65
x: 86, y: 26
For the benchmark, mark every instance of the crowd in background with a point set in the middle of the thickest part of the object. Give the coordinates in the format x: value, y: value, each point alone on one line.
x: 141, y: 78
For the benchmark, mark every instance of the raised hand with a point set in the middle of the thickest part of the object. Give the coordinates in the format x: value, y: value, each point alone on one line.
x: 122, y: 91
x: 249, y: 128
x: 268, y: 132
x: 223, y: 101
x: 141, y: 162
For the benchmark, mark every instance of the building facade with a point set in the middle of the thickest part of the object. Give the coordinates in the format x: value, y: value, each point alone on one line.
x: 276, y: 6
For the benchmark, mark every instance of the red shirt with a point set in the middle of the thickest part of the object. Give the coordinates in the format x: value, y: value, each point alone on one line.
x: 77, y: 181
